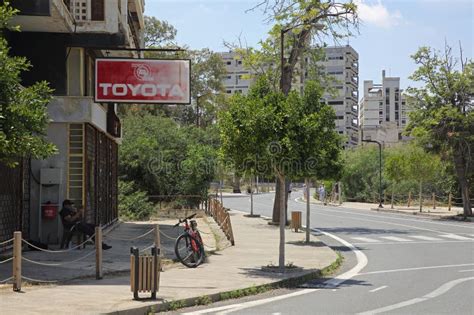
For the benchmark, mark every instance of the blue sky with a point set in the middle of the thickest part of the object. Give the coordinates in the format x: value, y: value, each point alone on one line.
x: 392, y: 30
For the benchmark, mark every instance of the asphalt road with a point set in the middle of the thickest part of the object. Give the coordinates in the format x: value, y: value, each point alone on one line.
x: 395, y: 264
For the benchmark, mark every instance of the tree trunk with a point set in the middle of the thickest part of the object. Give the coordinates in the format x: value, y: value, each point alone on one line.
x: 421, y: 196
x: 236, y: 184
x: 393, y: 189
x: 460, y: 165
x: 276, y: 203
x: 281, y: 259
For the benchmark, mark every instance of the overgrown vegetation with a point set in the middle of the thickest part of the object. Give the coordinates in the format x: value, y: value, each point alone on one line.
x: 23, y: 115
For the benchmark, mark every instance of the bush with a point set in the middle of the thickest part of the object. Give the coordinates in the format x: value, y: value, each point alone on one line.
x: 133, y: 203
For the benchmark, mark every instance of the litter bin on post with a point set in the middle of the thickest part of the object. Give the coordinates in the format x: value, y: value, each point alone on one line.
x: 296, y: 220
x: 144, y: 271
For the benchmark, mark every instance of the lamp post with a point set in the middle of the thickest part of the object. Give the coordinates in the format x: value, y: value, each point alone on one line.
x: 380, y: 169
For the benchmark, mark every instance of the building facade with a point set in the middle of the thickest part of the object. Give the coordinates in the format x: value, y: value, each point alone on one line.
x: 383, y: 111
x: 237, y: 79
x: 62, y: 39
x: 341, y: 63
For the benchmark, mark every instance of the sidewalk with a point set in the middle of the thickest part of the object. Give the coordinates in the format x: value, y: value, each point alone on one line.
x: 235, y: 267
x: 439, y: 212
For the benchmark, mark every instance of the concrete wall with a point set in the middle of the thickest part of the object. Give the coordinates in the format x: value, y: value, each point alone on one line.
x: 51, y: 229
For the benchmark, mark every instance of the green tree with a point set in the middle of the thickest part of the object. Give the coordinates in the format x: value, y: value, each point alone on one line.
x: 158, y: 33
x: 303, y: 22
x: 443, y: 117
x: 23, y: 114
x: 267, y: 132
x: 422, y: 167
x: 163, y: 158
x: 395, y: 168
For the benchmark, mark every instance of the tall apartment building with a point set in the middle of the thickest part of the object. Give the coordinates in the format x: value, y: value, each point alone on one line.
x: 237, y: 79
x: 383, y: 111
x: 62, y: 39
x: 342, y: 63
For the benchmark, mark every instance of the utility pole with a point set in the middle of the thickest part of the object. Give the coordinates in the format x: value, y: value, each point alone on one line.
x: 380, y: 169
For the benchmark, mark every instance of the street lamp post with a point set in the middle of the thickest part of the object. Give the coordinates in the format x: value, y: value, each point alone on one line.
x: 380, y: 169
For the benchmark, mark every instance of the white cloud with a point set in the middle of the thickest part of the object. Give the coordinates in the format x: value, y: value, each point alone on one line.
x: 377, y: 14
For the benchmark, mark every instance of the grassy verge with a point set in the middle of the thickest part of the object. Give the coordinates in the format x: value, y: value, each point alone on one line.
x: 253, y: 290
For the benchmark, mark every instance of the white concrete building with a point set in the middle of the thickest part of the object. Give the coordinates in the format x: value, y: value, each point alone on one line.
x: 383, y: 111
x: 342, y: 63
x: 238, y: 79
x: 62, y: 39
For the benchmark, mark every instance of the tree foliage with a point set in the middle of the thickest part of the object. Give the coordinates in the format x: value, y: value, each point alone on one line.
x: 158, y: 33
x: 162, y: 158
x: 443, y: 115
x: 23, y: 114
x: 290, y: 136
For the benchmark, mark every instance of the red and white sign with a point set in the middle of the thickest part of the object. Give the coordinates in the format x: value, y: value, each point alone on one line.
x: 142, y: 81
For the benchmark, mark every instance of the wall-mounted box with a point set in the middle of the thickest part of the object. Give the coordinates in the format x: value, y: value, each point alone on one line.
x: 50, y: 176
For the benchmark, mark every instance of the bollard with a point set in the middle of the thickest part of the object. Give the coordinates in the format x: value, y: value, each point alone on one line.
x: 17, y: 261
x: 98, y: 253
x: 434, y: 201
x: 449, y: 201
x: 157, y: 259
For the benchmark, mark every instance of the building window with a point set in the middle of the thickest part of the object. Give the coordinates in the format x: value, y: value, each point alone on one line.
x: 396, y: 116
x: 229, y: 91
x: 396, y: 106
x: 75, y: 170
x: 404, y: 122
x: 228, y: 63
x: 239, y: 62
x: 340, y: 117
x: 381, y: 113
x: 336, y: 102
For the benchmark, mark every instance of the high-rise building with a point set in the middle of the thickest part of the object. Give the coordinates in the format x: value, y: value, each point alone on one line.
x: 383, y: 111
x: 237, y: 79
x: 341, y: 63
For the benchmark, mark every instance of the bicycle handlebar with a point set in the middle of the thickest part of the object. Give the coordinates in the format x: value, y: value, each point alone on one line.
x: 184, y: 220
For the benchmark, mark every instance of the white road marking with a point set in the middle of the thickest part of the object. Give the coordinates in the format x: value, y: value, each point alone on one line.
x: 457, y: 237
x: 365, y: 239
x: 414, y: 268
x: 439, y: 291
x: 397, y: 217
x: 396, y: 239
x: 466, y: 270
x: 215, y: 309
x: 415, y: 242
x: 334, y: 282
x: 425, y: 238
x: 379, y: 288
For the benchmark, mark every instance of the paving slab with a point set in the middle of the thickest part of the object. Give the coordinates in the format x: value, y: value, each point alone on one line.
x: 235, y: 267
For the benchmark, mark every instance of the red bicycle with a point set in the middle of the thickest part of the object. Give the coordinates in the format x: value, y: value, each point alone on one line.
x: 189, y: 248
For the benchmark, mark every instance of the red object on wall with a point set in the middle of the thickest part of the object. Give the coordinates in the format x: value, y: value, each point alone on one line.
x: 49, y: 211
x: 142, y: 81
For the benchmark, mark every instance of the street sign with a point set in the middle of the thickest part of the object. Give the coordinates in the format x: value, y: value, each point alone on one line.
x: 142, y: 81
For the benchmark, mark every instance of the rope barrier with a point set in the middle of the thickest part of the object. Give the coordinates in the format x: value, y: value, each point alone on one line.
x: 38, y: 281
x: 6, y: 260
x: 129, y: 239
x: 147, y: 248
x: 6, y: 280
x: 5, y: 242
x: 58, y: 264
x: 58, y: 251
x: 168, y: 237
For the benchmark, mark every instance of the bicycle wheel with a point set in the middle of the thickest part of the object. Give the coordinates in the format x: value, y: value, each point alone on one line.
x: 189, y: 250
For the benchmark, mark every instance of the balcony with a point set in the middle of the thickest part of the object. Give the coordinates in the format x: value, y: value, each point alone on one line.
x: 43, y: 16
x: 82, y: 109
